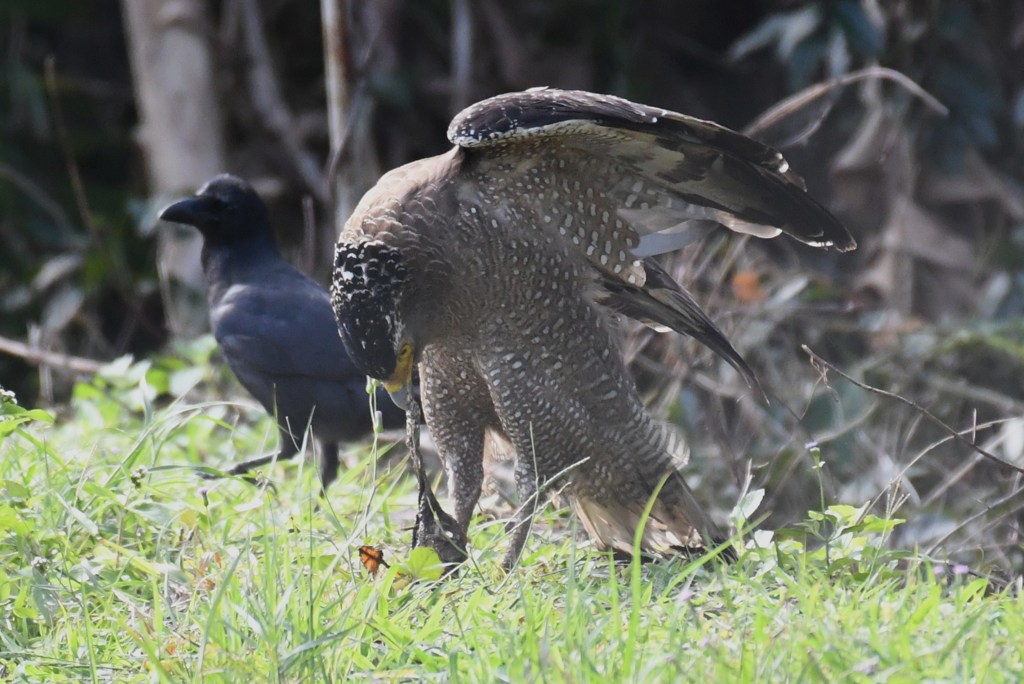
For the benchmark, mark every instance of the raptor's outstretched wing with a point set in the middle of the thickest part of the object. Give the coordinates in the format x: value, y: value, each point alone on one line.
x: 619, y: 178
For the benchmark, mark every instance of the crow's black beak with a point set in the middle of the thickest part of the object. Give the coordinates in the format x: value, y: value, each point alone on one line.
x: 194, y: 211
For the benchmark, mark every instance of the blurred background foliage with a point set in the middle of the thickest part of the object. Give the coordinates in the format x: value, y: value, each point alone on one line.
x: 929, y: 178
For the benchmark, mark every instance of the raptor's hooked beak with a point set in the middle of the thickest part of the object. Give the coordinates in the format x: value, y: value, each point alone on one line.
x: 399, y: 385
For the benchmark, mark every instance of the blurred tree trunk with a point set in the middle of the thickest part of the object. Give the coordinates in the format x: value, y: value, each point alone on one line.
x: 180, y: 135
x: 348, y: 55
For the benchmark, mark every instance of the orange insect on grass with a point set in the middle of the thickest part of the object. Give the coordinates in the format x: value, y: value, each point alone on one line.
x: 372, y: 558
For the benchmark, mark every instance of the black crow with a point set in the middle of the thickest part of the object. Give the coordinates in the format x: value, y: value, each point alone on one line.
x: 276, y: 328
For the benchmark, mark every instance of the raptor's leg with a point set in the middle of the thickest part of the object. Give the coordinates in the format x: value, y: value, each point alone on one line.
x: 458, y: 412
x: 328, y: 465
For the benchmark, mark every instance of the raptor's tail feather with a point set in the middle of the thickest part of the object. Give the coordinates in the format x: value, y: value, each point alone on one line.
x: 676, y: 523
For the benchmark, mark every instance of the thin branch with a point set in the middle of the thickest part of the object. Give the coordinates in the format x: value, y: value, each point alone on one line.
x: 119, y: 274
x: 948, y: 482
x: 806, y: 97
x: 340, y: 151
x: 42, y: 357
x: 268, y: 101
x: 821, y: 364
x: 977, y: 516
x: 37, y: 195
x: 462, y: 54
x: 77, y: 186
x: 338, y: 74
x: 984, y: 395
x: 345, y: 104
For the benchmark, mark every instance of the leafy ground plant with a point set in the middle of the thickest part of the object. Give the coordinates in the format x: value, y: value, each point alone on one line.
x: 117, y: 563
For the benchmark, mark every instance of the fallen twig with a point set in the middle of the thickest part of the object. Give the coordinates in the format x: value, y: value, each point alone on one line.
x: 42, y: 357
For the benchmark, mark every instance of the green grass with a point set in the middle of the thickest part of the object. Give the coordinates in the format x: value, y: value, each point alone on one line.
x: 117, y: 563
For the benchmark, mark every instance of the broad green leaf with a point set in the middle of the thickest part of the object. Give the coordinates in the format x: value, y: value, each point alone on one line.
x: 424, y: 564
